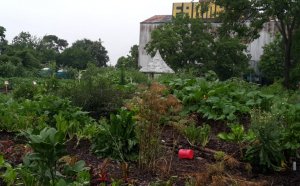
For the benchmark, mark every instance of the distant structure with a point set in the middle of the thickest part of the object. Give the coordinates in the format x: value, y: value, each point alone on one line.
x: 255, y: 48
x: 206, y: 11
x: 146, y: 27
x: 157, y: 66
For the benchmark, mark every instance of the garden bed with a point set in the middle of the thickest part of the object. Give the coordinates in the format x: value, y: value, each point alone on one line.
x: 170, y: 167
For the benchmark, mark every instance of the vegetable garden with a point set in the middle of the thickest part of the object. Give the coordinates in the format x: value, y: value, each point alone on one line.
x: 98, y: 131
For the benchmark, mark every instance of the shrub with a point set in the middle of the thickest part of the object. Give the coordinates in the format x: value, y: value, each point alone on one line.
x: 97, y: 93
x: 266, y: 152
x: 25, y: 91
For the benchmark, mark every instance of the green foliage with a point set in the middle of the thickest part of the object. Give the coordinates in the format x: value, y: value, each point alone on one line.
x: 219, y: 100
x: 43, y: 166
x: 48, y: 146
x: 25, y: 91
x: 271, y: 64
x: 117, y: 139
x: 9, y: 175
x: 183, y: 42
x: 230, y: 59
x: 8, y: 69
x: 245, y: 18
x: 190, y: 43
x: 291, y: 139
x: 3, y: 41
x: 43, y: 111
x: 98, y: 91
x: 239, y: 136
x: 266, y: 151
x: 122, y: 76
x: 130, y: 61
x: 83, y: 52
x: 197, y: 135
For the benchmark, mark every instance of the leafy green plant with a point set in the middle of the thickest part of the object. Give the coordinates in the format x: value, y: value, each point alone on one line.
x: 48, y: 147
x: 197, y: 135
x: 41, y: 112
x: 218, y: 100
x: 117, y: 139
x: 9, y: 175
x: 239, y: 136
x: 266, y: 152
x: 291, y: 139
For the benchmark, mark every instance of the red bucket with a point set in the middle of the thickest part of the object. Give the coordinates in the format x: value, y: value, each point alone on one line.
x: 186, y: 154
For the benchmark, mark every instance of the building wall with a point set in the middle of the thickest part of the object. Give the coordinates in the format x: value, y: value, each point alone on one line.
x: 205, y: 10
x: 267, y: 34
x: 145, y: 37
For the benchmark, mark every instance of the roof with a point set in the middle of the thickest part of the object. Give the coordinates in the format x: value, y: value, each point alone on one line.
x: 157, y: 65
x: 158, y: 19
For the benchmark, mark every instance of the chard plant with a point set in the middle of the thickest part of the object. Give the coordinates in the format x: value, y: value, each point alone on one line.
x: 117, y: 138
x: 43, y: 162
x: 238, y: 135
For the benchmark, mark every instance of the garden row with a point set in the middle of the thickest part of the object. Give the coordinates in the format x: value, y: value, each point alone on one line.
x: 54, y: 112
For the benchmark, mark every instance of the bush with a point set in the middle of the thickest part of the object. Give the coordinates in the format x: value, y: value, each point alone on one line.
x: 25, y: 91
x: 266, y: 152
x: 97, y: 92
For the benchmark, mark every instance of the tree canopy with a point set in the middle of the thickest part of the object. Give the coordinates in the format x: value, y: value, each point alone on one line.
x: 244, y: 19
x: 3, y: 41
x: 83, y: 52
x: 191, y: 43
x: 131, y: 60
x: 27, y: 54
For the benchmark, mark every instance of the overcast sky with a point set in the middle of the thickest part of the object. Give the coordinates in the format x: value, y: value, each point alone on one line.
x: 116, y: 23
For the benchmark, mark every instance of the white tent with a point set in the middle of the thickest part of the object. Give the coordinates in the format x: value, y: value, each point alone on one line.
x: 157, y: 66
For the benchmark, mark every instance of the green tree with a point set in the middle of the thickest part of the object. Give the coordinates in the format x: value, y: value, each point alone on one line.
x: 271, y: 64
x: 24, y: 40
x: 229, y: 59
x: 3, y: 41
x: 50, y: 47
x: 75, y: 57
x: 21, y: 57
x: 244, y: 19
x: 28, y: 58
x: 131, y: 61
x: 188, y: 43
x: 183, y: 43
x: 83, y: 52
x: 54, y: 43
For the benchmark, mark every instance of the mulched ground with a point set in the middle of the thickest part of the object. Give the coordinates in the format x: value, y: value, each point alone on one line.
x: 171, y: 166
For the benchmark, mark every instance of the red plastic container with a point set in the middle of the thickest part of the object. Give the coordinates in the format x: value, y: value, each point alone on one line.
x: 186, y: 154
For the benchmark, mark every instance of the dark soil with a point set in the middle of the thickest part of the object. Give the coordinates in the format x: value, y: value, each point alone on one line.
x: 170, y: 165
